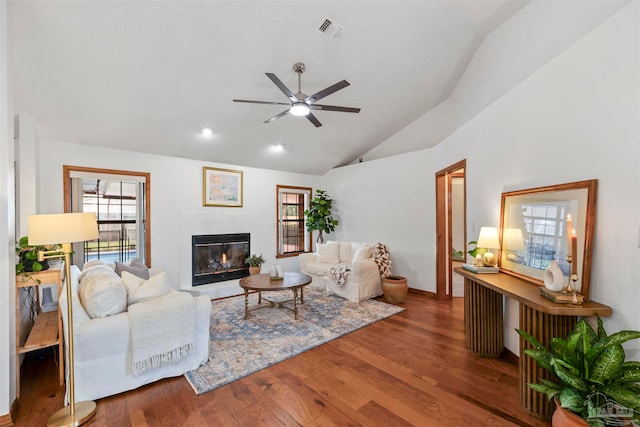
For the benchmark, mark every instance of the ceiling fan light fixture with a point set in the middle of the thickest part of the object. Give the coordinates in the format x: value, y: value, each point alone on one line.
x: 299, y: 109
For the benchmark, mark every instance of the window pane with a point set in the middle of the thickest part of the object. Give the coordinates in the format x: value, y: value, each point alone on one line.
x: 114, y: 203
x: 292, y: 236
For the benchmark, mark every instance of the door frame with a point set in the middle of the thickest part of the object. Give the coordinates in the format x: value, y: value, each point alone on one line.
x: 443, y: 227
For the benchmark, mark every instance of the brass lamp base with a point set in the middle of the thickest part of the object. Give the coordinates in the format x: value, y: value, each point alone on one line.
x: 489, y: 259
x: 84, y: 411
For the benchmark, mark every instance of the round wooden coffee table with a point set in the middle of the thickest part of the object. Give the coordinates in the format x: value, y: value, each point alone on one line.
x: 263, y: 283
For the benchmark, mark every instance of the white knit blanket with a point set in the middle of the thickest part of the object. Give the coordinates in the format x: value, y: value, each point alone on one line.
x: 339, y: 274
x: 162, y: 331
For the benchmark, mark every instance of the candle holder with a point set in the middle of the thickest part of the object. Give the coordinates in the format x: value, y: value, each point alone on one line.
x: 574, y: 279
x: 568, y: 289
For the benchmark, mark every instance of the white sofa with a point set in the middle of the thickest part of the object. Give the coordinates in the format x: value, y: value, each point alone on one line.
x: 362, y: 281
x: 103, y: 356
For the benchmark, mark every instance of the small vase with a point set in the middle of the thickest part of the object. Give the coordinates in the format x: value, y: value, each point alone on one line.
x: 553, y: 278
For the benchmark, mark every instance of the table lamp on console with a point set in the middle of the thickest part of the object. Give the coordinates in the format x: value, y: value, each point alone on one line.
x: 488, y: 239
x: 65, y: 229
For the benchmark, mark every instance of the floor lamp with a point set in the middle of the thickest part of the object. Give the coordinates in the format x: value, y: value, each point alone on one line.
x: 65, y: 229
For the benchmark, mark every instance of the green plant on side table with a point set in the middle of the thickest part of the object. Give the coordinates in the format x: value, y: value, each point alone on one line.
x: 255, y: 262
x: 595, y: 382
x: 29, y: 256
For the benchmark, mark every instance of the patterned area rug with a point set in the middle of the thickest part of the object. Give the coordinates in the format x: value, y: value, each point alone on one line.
x: 241, y: 347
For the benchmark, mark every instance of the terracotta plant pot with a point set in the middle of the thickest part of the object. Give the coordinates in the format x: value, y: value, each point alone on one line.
x: 565, y: 418
x: 395, y: 289
x: 254, y: 270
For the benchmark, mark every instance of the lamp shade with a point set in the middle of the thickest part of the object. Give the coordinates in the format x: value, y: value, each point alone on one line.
x: 513, y: 239
x: 488, y: 238
x: 62, y: 228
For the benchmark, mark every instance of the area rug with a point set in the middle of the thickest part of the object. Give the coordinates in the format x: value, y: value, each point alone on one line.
x: 241, y: 347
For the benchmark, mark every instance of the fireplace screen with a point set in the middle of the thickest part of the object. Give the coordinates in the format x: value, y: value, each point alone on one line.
x: 219, y: 257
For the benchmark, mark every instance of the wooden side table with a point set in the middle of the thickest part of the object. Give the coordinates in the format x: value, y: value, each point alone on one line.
x: 539, y: 316
x: 47, y: 327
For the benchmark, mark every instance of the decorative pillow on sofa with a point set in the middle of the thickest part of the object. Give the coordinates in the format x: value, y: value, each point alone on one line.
x: 140, y: 290
x: 135, y: 267
x: 347, y: 249
x: 329, y: 252
x: 102, y: 292
x: 382, y: 257
x: 364, y: 252
x: 79, y: 315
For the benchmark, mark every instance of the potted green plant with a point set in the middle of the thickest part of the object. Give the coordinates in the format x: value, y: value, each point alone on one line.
x: 319, y: 215
x: 28, y: 257
x: 594, y: 381
x: 255, y: 262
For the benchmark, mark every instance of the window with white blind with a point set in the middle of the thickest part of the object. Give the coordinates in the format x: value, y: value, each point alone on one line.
x: 292, y: 238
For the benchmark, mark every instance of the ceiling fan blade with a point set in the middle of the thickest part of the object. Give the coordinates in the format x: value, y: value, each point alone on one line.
x: 282, y: 87
x: 326, y: 92
x: 277, y: 116
x: 261, y: 102
x: 313, y: 120
x: 334, y: 108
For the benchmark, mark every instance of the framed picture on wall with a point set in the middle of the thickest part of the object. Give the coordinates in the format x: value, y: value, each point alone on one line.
x: 221, y: 187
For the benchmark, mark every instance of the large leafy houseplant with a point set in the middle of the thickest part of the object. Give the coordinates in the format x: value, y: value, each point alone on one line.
x: 319, y: 215
x: 592, y: 372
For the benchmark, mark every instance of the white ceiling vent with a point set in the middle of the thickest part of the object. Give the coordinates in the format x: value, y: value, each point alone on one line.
x: 331, y: 29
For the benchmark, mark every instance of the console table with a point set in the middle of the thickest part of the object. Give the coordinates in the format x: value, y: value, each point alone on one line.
x: 542, y: 318
x: 47, y: 327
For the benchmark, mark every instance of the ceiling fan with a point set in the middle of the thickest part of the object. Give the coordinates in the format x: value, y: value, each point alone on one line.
x: 301, y: 104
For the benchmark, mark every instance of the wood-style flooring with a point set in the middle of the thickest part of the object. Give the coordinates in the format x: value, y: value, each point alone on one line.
x: 411, y: 369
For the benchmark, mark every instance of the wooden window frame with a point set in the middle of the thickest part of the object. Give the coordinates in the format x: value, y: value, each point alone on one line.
x: 66, y: 184
x: 283, y: 188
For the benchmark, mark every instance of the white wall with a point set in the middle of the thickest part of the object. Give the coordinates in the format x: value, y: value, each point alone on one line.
x: 7, y: 232
x: 575, y: 118
x: 176, y: 204
x: 507, y: 56
x: 27, y: 155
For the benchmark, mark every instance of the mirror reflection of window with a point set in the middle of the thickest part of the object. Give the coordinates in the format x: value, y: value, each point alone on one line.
x: 544, y: 232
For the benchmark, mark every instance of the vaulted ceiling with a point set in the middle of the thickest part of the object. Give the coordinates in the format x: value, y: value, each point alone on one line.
x: 148, y: 76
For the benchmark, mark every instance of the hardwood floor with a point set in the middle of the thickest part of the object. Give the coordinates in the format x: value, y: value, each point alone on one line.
x: 410, y: 369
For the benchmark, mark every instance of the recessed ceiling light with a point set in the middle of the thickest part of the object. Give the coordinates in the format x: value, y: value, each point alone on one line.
x: 277, y: 148
x: 207, y: 132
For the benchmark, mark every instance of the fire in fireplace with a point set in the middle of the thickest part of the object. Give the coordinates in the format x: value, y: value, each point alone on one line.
x: 219, y: 257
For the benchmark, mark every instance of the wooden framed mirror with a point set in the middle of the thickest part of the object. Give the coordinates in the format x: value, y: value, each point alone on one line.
x: 535, y: 229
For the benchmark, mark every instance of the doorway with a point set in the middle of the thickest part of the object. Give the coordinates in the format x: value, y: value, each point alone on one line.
x: 451, y: 230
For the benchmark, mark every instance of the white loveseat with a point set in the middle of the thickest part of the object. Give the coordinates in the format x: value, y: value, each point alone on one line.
x: 103, y: 356
x: 363, y: 275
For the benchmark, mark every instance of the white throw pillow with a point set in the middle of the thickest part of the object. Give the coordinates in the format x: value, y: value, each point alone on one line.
x: 346, y: 253
x: 329, y: 252
x: 102, y: 293
x: 79, y: 315
x: 364, y: 252
x: 140, y: 290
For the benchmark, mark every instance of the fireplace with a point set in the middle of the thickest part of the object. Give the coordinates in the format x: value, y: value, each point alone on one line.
x: 219, y: 257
